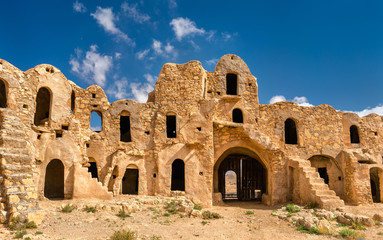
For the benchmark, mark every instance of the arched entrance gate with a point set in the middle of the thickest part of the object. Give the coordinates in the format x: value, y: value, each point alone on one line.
x: 251, y: 175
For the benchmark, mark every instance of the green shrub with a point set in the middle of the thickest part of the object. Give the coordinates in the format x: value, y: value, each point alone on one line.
x: 124, y: 235
x: 341, y: 225
x: 292, y: 208
x: 30, y: 225
x: 20, y: 234
x: 303, y: 229
x: 347, y: 233
x: 197, y: 207
x: 172, y: 207
x: 38, y: 233
x: 90, y: 209
x: 204, y: 223
x: 358, y: 226
x: 17, y: 224
x: 68, y: 208
x: 249, y: 212
x: 122, y: 214
x: 210, y: 215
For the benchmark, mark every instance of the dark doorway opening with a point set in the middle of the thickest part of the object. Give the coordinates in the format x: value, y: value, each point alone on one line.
x: 290, y: 132
x: 178, y: 175
x: 54, y: 180
x: 354, y: 135
x: 3, y: 95
x: 375, y: 184
x: 251, y: 177
x: 43, y: 103
x: 130, y: 182
x: 125, y: 135
x: 171, y: 126
x: 93, y: 169
x: 231, y: 84
x: 237, y: 116
x: 72, y: 101
x: 323, y: 174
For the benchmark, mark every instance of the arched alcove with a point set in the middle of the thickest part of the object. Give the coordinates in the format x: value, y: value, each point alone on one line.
x: 54, y: 180
x: 178, y: 175
x: 43, y: 104
x: 291, y: 136
x: 354, y: 134
x: 230, y: 185
x: 375, y: 184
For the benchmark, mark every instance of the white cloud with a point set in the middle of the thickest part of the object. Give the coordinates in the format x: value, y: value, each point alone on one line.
x: 277, y: 98
x: 183, y: 27
x: 157, y: 46
x: 378, y: 110
x: 106, y: 18
x: 301, y: 101
x: 79, y: 7
x: 140, y: 91
x: 119, y: 89
x: 212, y: 61
x: 226, y: 36
x: 93, y: 66
x: 169, y: 48
x: 142, y: 54
x: 150, y: 78
x: 172, y: 4
x: 117, y: 55
x: 133, y: 13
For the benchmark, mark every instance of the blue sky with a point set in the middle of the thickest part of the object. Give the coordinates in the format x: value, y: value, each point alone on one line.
x: 310, y: 52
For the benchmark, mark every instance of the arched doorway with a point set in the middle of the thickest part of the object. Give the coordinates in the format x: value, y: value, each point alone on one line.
x: 375, y: 184
x: 43, y: 104
x: 130, y: 180
x: 54, y: 180
x: 3, y: 95
x: 178, y: 175
x: 231, y: 185
x: 251, y: 174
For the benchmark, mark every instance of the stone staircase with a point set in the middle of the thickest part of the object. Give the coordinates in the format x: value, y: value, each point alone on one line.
x: 312, y: 187
x: 18, y: 193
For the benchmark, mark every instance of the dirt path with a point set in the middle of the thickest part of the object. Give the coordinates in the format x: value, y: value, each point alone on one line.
x: 149, y: 222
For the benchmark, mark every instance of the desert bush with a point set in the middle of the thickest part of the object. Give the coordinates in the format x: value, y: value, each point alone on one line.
x: 249, y: 212
x: 210, y: 215
x: 310, y: 205
x: 68, y: 208
x: 90, y: 209
x: 358, y: 226
x: 292, y: 208
x: 124, y: 235
x: 122, y: 214
x: 20, y: 234
x: 197, y: 207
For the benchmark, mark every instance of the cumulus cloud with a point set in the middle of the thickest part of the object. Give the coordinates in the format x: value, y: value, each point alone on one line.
x: 142, y: 54
x: 133, y: 13
x: 157, y: 46
x: 93, y: 66
x: 140, y: 91
x: 79, y: 7
x: 378, y: 110
x: 119, y: 89
x: 150, y: 78
x: 163, y: 51
x: 301, y: 101
x: 106, y: 18
x: 183, y: 27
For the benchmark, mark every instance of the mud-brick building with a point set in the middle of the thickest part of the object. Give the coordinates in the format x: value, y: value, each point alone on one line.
x: 195, y: 127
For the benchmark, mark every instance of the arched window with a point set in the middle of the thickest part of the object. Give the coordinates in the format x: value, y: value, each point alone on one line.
x: 72, y: 101
x: 178, y: 175
x: 231, y: 84
x: 125, y: 135
x: 3, y: 95
x: 354, y: 135
x: 237, y: 116
x: 290, y: 132
x: 43, y: 103
x: 96, y: 121
x: 171, y: 126
x: 54, y: 180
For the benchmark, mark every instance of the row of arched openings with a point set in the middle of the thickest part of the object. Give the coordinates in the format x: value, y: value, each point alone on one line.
x: 291, y: 136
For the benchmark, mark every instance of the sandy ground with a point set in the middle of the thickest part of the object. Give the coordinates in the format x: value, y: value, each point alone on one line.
x: 148, y: 224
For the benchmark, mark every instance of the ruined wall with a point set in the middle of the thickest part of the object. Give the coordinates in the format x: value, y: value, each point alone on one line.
x: 202, y: 104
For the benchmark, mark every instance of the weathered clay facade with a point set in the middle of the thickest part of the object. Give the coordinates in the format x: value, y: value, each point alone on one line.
x: 195, y: 126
